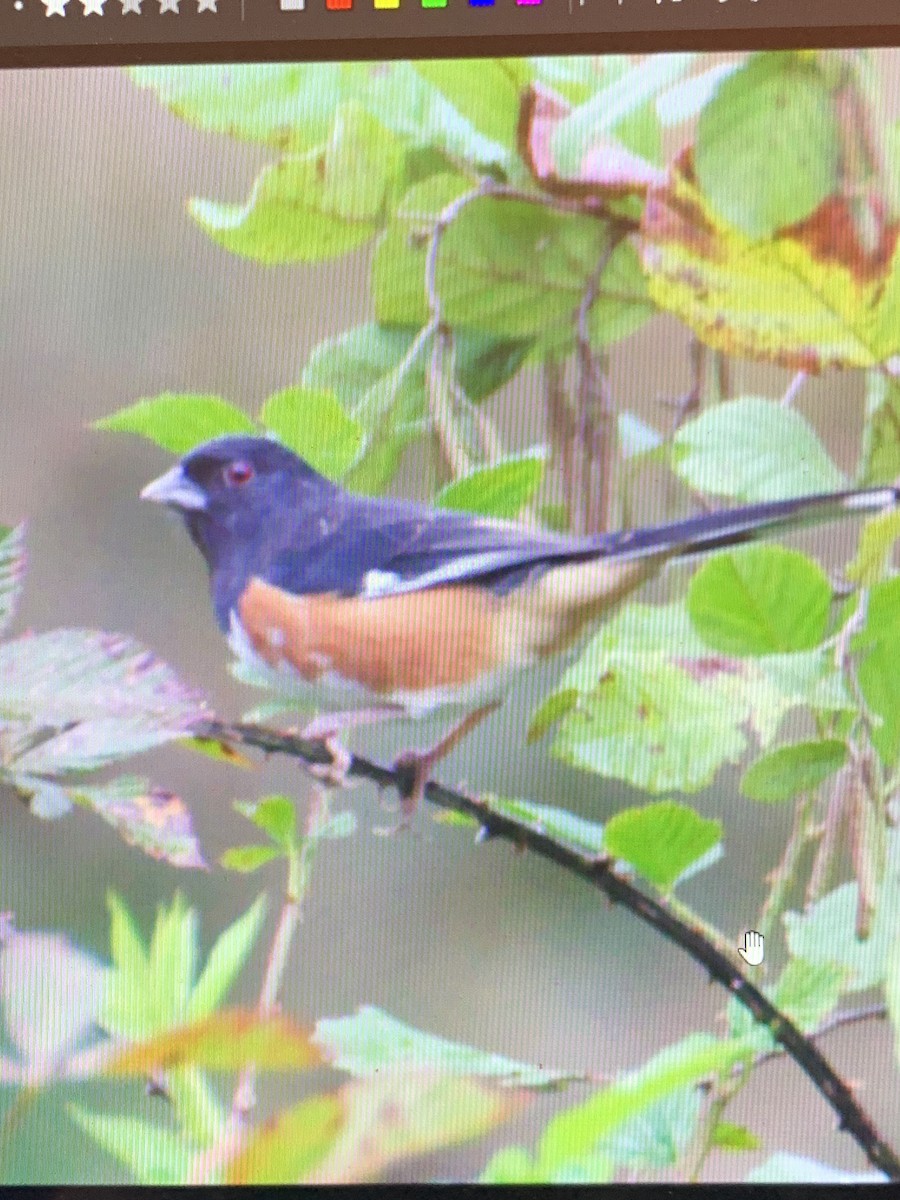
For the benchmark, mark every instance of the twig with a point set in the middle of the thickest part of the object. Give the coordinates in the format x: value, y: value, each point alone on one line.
x: 561, y: 427
x: 599, y: 872
x: 783, y: 875
x: 207, y: 1163
x: 688, y: 404
x: 793, y: 389
x: 595, y: 423
x: 852, y: 1016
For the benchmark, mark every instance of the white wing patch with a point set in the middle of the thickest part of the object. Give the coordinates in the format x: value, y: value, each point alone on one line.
x: 380, y: 583
x: 386, y: 583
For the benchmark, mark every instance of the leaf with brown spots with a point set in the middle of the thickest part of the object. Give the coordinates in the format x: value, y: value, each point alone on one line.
x: 228, y: 1040
x: 810, y: 297
x: 147, y: 817
x: 353, y: 1136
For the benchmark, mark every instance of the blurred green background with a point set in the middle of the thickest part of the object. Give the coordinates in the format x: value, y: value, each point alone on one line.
x: 109, y: 293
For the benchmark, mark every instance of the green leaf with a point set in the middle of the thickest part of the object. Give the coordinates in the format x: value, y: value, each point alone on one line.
x: 658, y: 1136
x: 878, y: 669
x: 274, y: 815
x: 577, y: 1131
x: 517, y: 269
x: 879, y: 460
x: 637, y: 439
x: 280, y: 104
x: 12, y: 570
x: 291, y: 107
x: 127, y: 948
x: 808, y: 992
x: 372, y: 1041
x: 154, y: 1155
x: 341, y: 825
x: 314, y: 425
x: 316, y: 206
x: 512, y: 1164
x: 760, y: 600
x: 826, y: 934
x: 795, y: 1168
x: 687, y: 98
x: 486, y: 93
x: 661, y: 840
x: 753, y: 449
x: 623, y: 304
x: 628, y: 89
x: 654, y: 707
x: 148, y: 992
x: 226, y: 960
x: 484, y: 363
x: 728, y: 1136
x: 500, y: 490
x: 246, y: 859
x: 586, y: 835
x: 768, y: 144
x: 381, y: 383
x: 876, y: 542
x: 178, y: 421
x: 554, y: 708
x: 789, y: 770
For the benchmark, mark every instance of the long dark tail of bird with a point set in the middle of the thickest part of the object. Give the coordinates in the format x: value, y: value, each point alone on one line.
x: 732, y: 527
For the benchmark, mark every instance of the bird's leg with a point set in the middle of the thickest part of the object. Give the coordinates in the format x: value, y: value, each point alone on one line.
x: 327, y: 728
x: 422, y: 762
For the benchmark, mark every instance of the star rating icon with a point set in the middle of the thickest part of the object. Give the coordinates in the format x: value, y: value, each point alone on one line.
x: 93, y: 8
x: 131, y: 6
x: 207, y: 6
x: 56, y: 8
x: 168, y: 6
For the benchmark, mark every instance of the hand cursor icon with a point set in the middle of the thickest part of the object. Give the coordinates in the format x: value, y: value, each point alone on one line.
x: 752, y: 948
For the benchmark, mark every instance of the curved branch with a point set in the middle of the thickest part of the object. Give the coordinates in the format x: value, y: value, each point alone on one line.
x: 599, y: 872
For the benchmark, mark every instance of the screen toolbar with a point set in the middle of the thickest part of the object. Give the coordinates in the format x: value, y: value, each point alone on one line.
x: 317, y: 28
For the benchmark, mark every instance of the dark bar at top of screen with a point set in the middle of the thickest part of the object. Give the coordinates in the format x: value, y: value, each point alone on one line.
x: 121, y: 30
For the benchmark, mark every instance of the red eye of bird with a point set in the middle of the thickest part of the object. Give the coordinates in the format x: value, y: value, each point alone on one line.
x: 238, y: 473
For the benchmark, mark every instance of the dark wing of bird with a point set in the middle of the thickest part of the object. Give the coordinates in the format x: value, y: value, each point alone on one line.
x: 383, y: 547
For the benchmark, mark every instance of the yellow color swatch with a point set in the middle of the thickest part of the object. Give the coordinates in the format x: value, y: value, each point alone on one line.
x: 387, y: 3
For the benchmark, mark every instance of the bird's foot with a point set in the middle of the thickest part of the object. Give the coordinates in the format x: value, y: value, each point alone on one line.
x: 336, y: 773
x: 327, y: 728
x: 415, y: 766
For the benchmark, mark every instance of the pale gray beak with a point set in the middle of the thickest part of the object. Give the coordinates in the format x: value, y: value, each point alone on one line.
x: 176, y: 489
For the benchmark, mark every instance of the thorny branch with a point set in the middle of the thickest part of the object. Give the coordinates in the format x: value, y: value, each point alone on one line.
x: 599, y: 872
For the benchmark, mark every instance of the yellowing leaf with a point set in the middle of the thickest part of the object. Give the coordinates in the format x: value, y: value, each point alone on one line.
x: 810, y: 297
x: 399, y: 1115
x: 314, y: 206
x: 225, y: 1041
x: 354, y: 1135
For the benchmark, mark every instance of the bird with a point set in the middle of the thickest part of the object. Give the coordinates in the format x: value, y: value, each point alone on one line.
x: 382, y: 607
